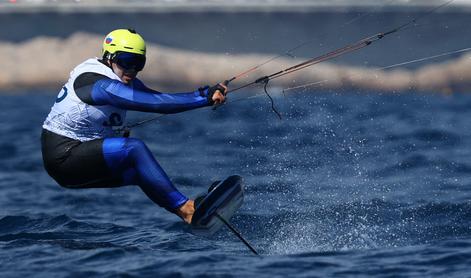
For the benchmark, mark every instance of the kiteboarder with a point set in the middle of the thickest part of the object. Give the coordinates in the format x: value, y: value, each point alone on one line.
x: 79, y: 144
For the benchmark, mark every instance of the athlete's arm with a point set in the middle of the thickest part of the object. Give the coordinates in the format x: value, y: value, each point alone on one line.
x: 97, y: 89
x: 138, y: 84
x: 215, y: 94
x: 116, y: 93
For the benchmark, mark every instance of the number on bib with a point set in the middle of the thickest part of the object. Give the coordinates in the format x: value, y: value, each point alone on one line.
x: 62, y: 94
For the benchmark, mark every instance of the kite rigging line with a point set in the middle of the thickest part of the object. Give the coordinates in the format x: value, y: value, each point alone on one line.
x: 308, y: 63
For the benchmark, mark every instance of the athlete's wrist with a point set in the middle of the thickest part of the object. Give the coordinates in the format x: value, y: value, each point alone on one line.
x: 214, y: 93
x: 204, y: 92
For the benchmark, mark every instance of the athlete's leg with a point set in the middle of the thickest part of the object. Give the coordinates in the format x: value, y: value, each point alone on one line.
x: 112, y: 162
x: 130, y: 159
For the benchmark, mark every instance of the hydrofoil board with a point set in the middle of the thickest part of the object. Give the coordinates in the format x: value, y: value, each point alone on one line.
x: 222, y: 201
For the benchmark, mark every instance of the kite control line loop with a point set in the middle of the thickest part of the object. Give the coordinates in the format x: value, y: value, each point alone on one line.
x: 263, y: 79
x: 273, y: 108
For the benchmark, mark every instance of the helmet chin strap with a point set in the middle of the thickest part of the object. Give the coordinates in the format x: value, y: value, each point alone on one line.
x: 106, y: 60
x: 110, y: 65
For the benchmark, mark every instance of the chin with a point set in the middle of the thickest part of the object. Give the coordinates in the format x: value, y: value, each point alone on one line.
x: 126, y: 80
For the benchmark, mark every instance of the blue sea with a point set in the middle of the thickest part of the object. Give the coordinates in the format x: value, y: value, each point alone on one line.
x: 347, y: 184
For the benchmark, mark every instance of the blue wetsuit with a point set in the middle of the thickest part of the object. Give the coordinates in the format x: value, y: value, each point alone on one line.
x: 130, y: 157
x: 110, y: 162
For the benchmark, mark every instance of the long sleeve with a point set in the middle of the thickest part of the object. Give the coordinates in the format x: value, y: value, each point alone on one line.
x: 141, y: 98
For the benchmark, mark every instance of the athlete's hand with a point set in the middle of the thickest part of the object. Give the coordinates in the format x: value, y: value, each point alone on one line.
x: 217, y: 93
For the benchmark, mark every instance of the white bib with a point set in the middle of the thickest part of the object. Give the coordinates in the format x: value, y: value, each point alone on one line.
x: 75, y: 119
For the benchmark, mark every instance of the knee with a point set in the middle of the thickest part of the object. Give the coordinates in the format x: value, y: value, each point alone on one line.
x: 136, y: 146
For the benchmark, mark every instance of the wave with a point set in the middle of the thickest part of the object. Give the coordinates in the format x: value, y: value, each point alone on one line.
x: 60, y: 229
x: 167, y: 67
x: 373, y: 224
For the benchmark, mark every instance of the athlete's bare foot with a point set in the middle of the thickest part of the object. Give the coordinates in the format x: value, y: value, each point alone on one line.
x: 186, y: 211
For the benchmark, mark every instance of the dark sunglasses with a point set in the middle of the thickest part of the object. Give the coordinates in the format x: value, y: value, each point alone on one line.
x: 130, y: 61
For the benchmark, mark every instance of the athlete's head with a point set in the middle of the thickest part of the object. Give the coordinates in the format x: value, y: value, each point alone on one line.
x: 125, y: 51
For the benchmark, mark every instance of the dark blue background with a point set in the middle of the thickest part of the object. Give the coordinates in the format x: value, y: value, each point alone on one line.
x: 346, y: 184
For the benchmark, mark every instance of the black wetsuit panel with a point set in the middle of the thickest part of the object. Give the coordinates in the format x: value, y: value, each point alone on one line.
x: 75, y: 164
x: 83, y: 86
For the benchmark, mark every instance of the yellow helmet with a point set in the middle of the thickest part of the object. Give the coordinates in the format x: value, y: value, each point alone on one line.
x: 124, y: 40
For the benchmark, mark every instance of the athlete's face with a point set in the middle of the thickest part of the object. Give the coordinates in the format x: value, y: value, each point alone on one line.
x: 125, y: 76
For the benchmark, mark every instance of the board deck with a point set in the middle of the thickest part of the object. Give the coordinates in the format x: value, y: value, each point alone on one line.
x: 222, y: 200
